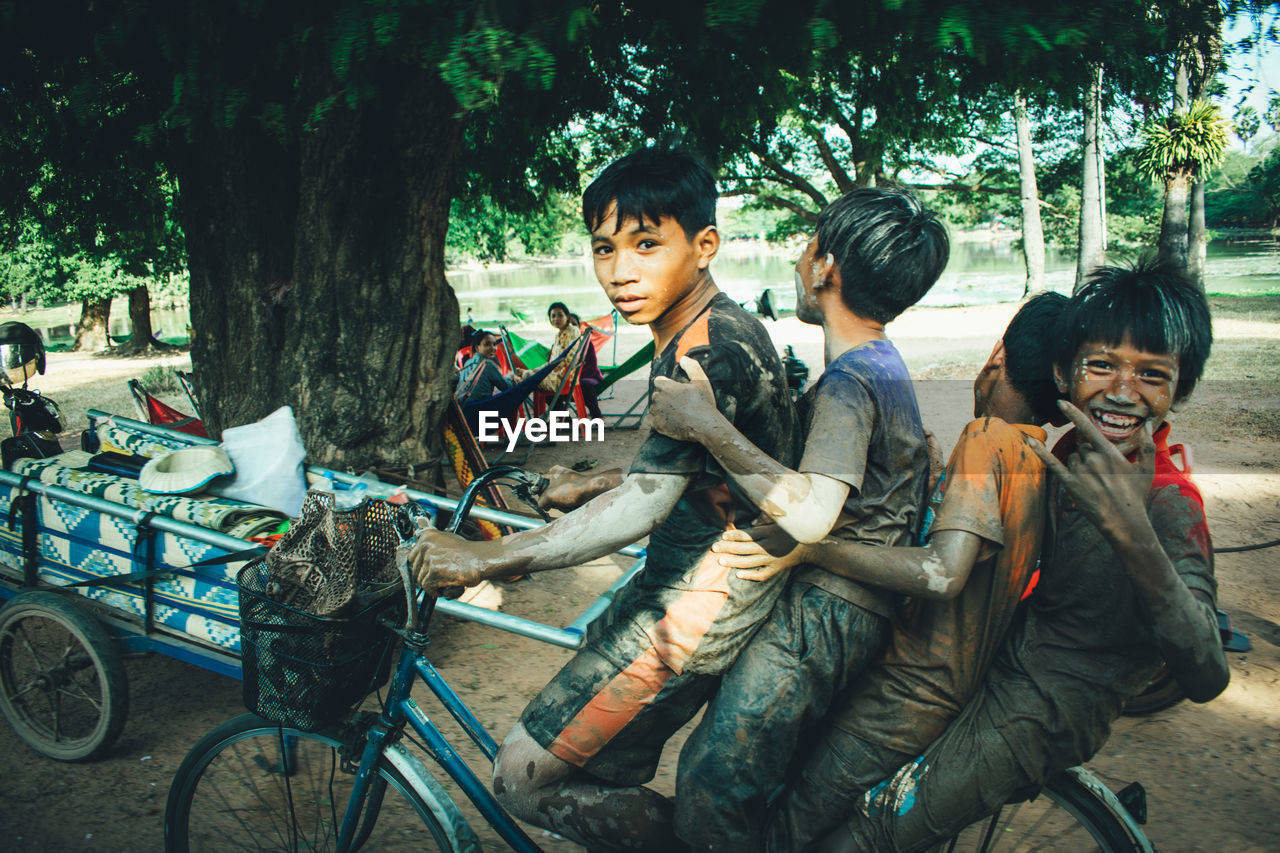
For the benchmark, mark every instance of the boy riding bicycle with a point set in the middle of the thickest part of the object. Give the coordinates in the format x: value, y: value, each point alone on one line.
x: 577, y: 761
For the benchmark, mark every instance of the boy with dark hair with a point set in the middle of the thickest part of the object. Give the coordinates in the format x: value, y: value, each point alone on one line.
x: 584, y: 747
x: 984, y: 526
x: 863, y: 477
x: 1128, y: 579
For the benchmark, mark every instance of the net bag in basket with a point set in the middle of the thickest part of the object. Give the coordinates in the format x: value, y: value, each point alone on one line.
x: 311, y: 643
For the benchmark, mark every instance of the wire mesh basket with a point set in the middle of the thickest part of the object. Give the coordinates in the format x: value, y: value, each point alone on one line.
x: 307, y: 671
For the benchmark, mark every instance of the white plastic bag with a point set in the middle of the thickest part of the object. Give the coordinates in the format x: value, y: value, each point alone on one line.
x: 269, y: 459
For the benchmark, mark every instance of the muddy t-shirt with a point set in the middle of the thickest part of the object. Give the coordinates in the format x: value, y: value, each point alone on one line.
x: 863, y: 428
x: 938, y: 651
x: 750, y: 388
x: 1085, y: 645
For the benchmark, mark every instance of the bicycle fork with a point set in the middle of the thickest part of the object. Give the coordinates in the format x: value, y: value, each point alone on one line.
x: 379, y: 743
x: 375, y: 738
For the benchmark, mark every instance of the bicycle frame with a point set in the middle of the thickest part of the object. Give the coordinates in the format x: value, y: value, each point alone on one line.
x: 401, y: 709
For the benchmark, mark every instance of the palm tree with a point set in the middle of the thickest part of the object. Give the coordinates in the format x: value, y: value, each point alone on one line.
x: 1176, y: 150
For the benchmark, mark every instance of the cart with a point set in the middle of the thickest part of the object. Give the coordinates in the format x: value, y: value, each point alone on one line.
x: 93, y: 570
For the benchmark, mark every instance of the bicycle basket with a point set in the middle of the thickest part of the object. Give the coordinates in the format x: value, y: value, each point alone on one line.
x: 303, y: 670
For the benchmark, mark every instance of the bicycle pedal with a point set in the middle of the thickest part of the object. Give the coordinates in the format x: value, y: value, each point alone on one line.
x: 1134, y: 799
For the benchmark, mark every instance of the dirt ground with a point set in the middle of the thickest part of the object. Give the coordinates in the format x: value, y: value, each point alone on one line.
x: 1212, y: 772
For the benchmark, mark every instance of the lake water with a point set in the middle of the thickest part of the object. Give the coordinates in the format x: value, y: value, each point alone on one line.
x: 979, y: 272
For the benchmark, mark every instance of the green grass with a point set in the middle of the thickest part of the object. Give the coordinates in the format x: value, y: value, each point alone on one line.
x: 1242, y: 294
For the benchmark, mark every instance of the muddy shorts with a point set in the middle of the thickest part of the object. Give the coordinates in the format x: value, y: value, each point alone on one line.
x: 813, y: 645
x: 648, y: 664
x: 966, y: 774
x: 835, y: 777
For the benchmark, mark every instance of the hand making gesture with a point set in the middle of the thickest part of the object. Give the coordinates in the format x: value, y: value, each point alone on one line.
x: 1109, y: 489
x: 685, y: 411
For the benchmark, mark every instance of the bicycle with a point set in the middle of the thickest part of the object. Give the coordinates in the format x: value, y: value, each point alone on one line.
x: 254, y: 783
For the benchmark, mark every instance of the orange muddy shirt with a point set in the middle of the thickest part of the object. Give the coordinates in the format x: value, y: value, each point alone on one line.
x: 938, y: 651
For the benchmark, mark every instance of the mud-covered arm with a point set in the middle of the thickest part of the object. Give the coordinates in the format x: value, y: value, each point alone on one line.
x: 615, y: 519
x: 938, y: 570
x: 567, y: 489
x: 806, y: 506
x: 1183, y: 619
x: 1114, y: 494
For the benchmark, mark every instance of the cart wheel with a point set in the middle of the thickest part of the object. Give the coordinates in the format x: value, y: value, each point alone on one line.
x: 62, y: 685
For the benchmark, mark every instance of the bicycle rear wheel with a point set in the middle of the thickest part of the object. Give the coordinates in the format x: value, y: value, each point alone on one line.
x: 252, y: 784
x: 1068, y: 816
x: 1163, y: 692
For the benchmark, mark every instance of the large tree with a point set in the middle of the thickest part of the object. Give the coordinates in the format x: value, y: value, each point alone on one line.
x: 318, y: 146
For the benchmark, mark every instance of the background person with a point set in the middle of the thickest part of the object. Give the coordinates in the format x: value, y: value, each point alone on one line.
x: 480, y: 377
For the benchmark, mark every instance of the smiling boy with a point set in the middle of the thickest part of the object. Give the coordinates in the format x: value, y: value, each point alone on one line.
x: 585, y: 746
x: 1128, y: 579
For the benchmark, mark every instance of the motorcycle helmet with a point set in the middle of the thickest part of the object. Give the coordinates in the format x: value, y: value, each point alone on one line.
x: 21, y: 351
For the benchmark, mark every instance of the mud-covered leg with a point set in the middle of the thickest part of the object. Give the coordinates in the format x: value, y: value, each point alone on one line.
x: 781, y: 684
x: 540, y: 788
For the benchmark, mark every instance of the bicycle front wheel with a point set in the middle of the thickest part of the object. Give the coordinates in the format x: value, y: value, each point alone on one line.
x: 252, y: 784
x: 1069, y: 816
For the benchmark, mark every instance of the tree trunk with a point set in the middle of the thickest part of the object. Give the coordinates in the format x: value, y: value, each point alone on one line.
x: 1197, y: 240
x: 869, y: 166
x: 1032, y: 230
x: 91, y: 330
x: 1173, y: 227
x: 1091, y: 253
x: 140, y: 316
x: 1100, y: 152
x: 317, y: 271
x: 1181, y: 85
x: 141, y: 336
x: 1172, y: 246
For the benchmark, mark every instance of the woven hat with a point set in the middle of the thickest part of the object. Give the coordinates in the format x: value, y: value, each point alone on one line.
x: 185, y: 470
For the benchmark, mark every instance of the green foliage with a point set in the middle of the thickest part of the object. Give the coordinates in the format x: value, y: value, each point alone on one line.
x: 1265, y: 180
x: 479, y: 60
x: 33, y: 270
x: 1188, y: 143
x: 755, y: 221
x: 484, y: 230
x: 1247, y: 124
x: 793, y: 106
x: 1235, y: 198
x: 161, y: 379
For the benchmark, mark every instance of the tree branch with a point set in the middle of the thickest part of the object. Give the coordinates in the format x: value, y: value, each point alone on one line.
x: 788, y: 177
x: 957, y: 185
x: 844, y: 183
x: 787, y: 204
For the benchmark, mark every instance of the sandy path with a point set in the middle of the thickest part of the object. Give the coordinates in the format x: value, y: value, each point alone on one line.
x: 1211, y: 772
